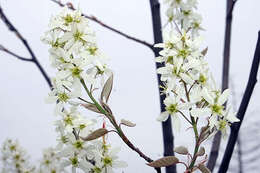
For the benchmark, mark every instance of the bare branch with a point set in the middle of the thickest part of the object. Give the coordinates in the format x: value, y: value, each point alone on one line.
x: 33, y: 59
x: 2, y: 48
x: 242, y: 109
x: 95, y: 19
x: 225, y: 78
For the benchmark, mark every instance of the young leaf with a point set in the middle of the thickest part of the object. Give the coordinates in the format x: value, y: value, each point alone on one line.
x: 205, y: 51
x: 106, y: 107
x: 203, y: 168
x: 96, y: 134
x: 127, y: 123
x: 201, y: 151
x: 107, y: 89
x: 163, y: 162
x: 181, y: 150
x: 91, y: 107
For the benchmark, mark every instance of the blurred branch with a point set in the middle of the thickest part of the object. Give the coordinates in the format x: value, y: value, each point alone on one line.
x: 239, y: 141
x: 2, y: 48
x: 168, y: 139
x: 33, y: 59
x: 225, y: 77
x: 95, y: 19
x: 242, y: 109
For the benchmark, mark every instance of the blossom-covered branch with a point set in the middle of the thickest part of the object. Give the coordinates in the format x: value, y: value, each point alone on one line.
x: 191, y: 92
x: 80, y: 64
x: 95, y: 19
x: 33, y: 58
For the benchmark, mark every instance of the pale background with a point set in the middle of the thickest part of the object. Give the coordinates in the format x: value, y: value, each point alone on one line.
x: 25, y: 116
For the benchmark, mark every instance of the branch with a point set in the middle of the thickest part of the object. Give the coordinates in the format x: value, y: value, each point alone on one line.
x: 95, y: 19
x: 242, y: 109
x: 33, y: 59
x: 2, y: 48
x: 225, y: 78
x: 113, y: 121
x: 168, y: 139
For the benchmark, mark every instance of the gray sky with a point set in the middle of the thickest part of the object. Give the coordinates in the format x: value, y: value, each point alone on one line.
x: 25, y: 116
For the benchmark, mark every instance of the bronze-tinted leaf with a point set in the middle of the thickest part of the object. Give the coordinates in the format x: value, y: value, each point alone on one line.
x: 163, y: 162
x: 91, y: 107
x: 205, y: 51
x: 203, y: 168
x: 181, y: 150
x: 107, y: 88
x: 201, y: 151
x: 127, y: 123
x: 96, y: 134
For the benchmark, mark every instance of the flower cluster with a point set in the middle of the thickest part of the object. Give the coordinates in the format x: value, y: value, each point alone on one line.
x: 188, y: 84
x: 50, y: 162
x: 183, y: 12
x: 80, y: 64
x: 14, y: 158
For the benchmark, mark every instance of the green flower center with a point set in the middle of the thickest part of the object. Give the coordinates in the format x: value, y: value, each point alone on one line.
x: 107, y: 161
x: 64, y: 139
x: 222, y: 124
x: 186, y: 13
x: 172, y: 108
x: 77, y: 35
x: 68, y: 19
x: 74, y: 161
x: 78, y: 144
x: 12, y: 147
x: 17, y: 157
x: 202, y: 79
x: 63, y: 97
x: 97, y: 169
x: 68, y: 120
x: 169, y: 45
x: 183, y: 53
x: 47, y: 162
x: 217, y: 109
x: 92, y: 50
x: 82, y: 126
x: 169, y: 59
x: 76, y: 72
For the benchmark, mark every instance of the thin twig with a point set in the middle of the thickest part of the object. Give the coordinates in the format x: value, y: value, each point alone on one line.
x: 95, y: 19
x: 242, y: 109
x: 33, y: 59
x: 2, y: 48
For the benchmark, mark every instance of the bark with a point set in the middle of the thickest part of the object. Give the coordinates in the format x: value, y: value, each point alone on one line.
x: 168, y: 138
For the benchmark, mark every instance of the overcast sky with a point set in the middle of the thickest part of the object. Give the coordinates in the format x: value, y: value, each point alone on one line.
x: 25, y: 116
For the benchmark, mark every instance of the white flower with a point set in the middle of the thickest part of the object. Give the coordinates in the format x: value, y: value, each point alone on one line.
x: 215, y: 100
x: 173, y: 108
